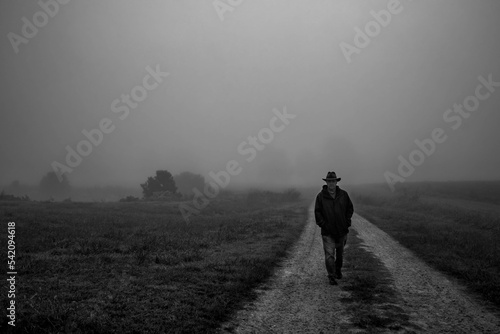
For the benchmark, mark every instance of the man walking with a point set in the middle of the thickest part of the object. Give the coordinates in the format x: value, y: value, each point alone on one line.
x: 333, y: 211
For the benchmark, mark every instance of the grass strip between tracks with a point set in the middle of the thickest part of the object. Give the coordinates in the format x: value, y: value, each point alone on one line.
x: 373, y: 301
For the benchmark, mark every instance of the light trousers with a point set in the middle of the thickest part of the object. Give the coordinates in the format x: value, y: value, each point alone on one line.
x: 334, y: 253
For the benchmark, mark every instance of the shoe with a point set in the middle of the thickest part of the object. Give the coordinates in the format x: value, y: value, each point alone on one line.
x: 333, y: 281
x: 338, y: 275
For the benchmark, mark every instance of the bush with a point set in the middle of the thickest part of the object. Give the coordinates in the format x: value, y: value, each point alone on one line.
x: 7, y: 197
x: 129, y: 199
x: 161, y: 182
x: 163, y: 196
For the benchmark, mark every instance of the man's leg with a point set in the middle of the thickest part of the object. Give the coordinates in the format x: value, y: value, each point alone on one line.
x: 329, y: 248
x: 339, y: 261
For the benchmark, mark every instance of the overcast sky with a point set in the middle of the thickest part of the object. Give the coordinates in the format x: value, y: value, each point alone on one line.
x: 355, y: 115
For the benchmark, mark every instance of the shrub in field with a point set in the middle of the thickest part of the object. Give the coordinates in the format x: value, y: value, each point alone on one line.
x: 161, y: 182
x: 164, y: 196
x: 129, y: 199
x: 7, y: 197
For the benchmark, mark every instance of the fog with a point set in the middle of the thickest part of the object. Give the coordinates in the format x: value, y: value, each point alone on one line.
x: 238, y: 69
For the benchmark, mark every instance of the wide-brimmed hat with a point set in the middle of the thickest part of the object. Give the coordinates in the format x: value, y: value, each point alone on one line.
x: 331, y: 176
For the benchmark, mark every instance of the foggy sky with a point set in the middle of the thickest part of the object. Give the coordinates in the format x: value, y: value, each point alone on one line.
x: 226, y: 77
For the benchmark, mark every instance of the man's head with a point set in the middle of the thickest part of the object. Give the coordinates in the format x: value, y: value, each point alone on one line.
x: 331, y: 184
x: 331, y: 180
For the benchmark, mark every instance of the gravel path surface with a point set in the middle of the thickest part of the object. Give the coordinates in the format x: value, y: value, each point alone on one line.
x: 298, y: 299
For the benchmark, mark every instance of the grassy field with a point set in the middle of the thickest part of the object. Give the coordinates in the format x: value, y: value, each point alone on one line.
x: 458, y: 235
x: 138, y: 267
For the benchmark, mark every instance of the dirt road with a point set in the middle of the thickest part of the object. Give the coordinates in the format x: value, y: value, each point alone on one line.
x: 298, y: 299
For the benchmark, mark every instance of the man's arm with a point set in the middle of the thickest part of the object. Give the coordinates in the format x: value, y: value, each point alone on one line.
x: 349, y: 210
x: 318, y: 209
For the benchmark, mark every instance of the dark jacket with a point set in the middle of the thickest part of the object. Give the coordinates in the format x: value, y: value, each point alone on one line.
x: 333, y: 215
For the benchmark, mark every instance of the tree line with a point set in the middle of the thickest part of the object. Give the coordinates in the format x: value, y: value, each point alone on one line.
x: 162, y: 185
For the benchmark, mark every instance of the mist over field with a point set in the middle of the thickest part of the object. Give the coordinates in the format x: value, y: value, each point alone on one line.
x: 282, y: 91
x: 161, y: 165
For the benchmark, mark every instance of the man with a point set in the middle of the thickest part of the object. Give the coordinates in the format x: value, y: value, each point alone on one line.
x: 333, y: 211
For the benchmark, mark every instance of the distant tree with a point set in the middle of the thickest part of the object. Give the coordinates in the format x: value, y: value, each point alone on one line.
x: 51, y: 187
x: 186, y: 181
x: 161, y: 182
